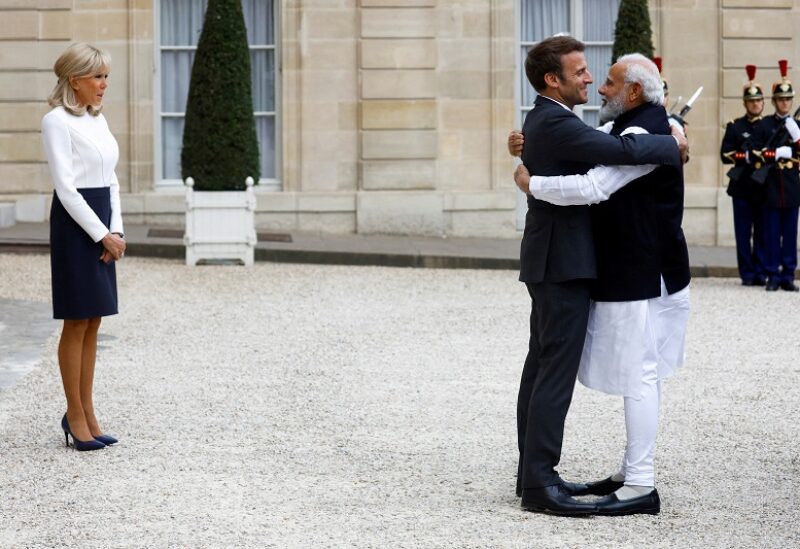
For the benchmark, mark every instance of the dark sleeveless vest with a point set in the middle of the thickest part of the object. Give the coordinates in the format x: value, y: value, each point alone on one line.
x: 637, y: 232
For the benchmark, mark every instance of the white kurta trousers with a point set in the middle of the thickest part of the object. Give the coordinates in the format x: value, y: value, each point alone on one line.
x: 630, y: 347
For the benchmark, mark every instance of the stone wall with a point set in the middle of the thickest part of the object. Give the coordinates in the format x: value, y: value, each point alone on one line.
x: 33, y: 33
x: 393, y: 113
x: 746, y: 27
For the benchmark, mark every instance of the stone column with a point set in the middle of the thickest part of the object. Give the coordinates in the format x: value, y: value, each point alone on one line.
x: 106, y: 26
x: 141, y: 56
x: 399, y: 141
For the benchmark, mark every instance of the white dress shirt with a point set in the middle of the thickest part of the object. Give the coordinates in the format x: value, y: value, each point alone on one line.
x: 81, y: 153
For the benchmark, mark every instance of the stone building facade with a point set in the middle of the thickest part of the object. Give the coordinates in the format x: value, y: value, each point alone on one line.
x: 389, y: 116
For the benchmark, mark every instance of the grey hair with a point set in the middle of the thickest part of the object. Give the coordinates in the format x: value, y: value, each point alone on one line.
x: 642, y: 70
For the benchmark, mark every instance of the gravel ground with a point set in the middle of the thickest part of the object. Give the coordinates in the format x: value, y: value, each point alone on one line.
x: 299, y: 405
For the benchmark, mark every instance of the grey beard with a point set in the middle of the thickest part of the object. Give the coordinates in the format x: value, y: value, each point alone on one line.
x: 610, y: 111
x: 605, y: 116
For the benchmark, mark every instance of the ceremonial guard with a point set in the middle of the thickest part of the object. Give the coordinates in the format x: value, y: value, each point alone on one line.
x: 774, y: 155
x: 747, y: 195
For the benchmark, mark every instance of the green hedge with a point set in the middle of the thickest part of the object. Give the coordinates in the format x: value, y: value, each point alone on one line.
x: 633, y: 33
x: 220, y: 146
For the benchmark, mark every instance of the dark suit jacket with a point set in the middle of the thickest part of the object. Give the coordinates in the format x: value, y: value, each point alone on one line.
x: 557, y: 244
x: 637, y: 231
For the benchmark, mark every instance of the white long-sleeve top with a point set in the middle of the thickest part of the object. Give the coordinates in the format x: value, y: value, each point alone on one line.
x: 81, y: 152
x: 592, y: 187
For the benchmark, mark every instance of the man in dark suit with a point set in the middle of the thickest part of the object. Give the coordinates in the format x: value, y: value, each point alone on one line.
x: 558, y: 263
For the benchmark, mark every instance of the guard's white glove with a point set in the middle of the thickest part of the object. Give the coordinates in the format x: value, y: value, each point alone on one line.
x: 792, y: 128
x: 783, y: 152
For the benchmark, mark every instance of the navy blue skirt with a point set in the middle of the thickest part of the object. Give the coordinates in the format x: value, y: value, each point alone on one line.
x: 83, y: 286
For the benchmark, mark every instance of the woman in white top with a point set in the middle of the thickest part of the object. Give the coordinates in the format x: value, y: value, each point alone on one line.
x: 86, y: 235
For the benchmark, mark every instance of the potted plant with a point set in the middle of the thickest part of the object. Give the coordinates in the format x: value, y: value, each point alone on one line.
x: 219, y: 160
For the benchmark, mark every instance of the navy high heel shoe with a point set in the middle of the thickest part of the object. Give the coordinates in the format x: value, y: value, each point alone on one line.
x: 108, y: 440
x: 80, y: 445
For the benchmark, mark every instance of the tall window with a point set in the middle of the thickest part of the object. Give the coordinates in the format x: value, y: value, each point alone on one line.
x: 591, y: 21
x: 180, y: 23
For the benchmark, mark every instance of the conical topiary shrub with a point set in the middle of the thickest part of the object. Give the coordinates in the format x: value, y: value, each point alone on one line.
x: 632, y: 33
x: 220, y: 145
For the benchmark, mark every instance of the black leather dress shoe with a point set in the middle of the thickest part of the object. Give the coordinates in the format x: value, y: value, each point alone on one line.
x: 648, y: 504
x: 789, y: 287
x: 772, y: 286
x: 556, y: 501
x: 748, y: 282
x: 575, y: 488
x: 572, y: 488
x: 602, y: 487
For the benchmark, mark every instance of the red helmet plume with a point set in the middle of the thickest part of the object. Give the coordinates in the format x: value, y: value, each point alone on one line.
x: 657, y: 61
x: 751, y: 72
x: 784, y: 87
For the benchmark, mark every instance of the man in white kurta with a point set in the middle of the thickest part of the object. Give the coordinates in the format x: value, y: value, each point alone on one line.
x: 630, y: 346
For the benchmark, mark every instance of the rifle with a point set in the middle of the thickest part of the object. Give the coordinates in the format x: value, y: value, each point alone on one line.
x: 681, y: 117
x: 778, y: 136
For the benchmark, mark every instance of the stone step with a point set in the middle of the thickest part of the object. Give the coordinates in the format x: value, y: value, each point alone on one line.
x: 31, y: 209
x: 7, y: 214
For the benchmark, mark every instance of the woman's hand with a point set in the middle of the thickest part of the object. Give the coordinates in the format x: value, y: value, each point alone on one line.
x: 114, y: 248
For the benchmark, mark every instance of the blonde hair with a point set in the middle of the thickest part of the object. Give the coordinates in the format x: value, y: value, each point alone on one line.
x: 78, y: 61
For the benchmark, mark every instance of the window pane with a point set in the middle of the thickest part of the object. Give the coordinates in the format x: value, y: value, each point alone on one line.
x: 599, y: 60
x: 177, y: 68
x: 265, y: 128
x: 262, y: 65
x: 259, y: 18
x: 181, y: 21
x: 172, y: 142
x: 528, y: 93
x: 592, y: 118
x: 543, y: 18
x: 599, y: 18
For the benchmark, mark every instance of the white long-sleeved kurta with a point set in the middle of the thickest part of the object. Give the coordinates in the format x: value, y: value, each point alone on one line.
x: 81, y: 152
x: 594, y: 186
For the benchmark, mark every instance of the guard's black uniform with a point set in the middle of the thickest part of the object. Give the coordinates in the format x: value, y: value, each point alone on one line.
x: 782, y: 199
x: 748, y: 200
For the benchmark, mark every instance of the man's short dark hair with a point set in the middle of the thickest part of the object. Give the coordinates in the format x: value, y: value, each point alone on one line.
x: 545, y: 57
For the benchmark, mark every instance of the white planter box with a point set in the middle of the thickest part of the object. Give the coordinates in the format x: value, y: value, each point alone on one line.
x: 220, y: 225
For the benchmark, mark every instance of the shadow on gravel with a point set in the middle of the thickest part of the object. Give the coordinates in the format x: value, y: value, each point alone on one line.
x: 25, y: 326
